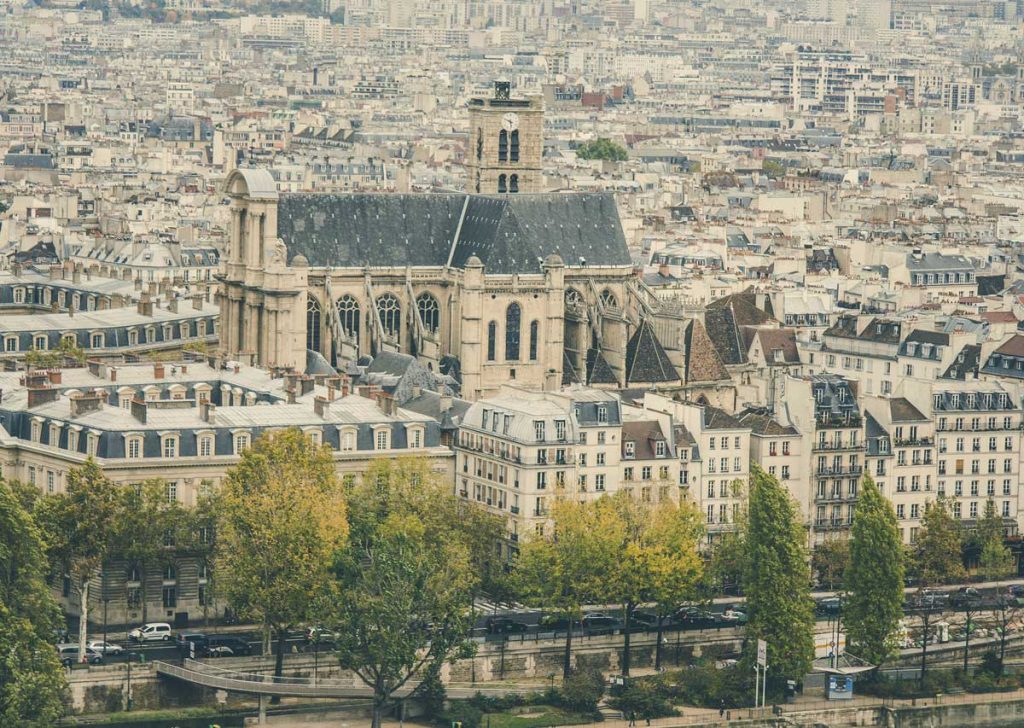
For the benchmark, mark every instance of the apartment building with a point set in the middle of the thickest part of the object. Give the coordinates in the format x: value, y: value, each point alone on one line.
x: 860, y: 348
x: 520, y: 450
x: 978, y: 436
x: 778, y: 447
x: 825, y: 408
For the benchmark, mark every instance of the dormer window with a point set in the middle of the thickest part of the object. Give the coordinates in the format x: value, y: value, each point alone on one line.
x: 630, y: 449
x: 659, y: 449
x: 602, y: 413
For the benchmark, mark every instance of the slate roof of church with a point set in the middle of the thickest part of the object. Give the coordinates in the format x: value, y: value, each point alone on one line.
x: 646, y: 360
x: 508, y: 233
x: 703, y: 364
x: 599, y: 371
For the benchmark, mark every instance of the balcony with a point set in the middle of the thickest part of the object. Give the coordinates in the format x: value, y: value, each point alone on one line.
x: 835, y: 498
x: 914, y: 442
x: 845, y: 470
x: 464, y: 493
x: 828, y: 524
x: 832, y: 447
x: 513, y: 537
x: 514, y: 510
x: 540, y: 512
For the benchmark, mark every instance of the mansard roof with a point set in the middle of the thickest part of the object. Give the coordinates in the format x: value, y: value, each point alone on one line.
x: 508, y: 233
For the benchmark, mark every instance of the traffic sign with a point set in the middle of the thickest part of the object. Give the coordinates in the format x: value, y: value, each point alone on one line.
x: 762, y: 653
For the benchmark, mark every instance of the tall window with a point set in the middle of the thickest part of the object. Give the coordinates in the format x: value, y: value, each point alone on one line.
x: 492, y: 335
x: 503, y: 146
x: 608, y: 299
x: 479, y: 143
x: 135, y: 447
x: 205, y: 446
x: 312, y: 324
x: 514, y: 155
x: 513, y: 183
x: 512, y: 316
x: 390, y: 312
x: 170, y: 447
x: 534, y: 336
x: 348, y: 316
x: 430, y: 312
x: 502, y: 183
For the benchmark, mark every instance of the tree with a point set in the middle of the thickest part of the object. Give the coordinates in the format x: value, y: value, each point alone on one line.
x: 403, y: 588
x: 938, y: 550
x: 829, y: 562
x: 728, y: 562
x: 151, y: 525
x: 78, y: 528
x: 996, y: 560
x: 46, y: 358
x: 31, y: 680
x: 602, y: 149
x: 777, y: 582
x: 658, y: 561
x: 567, y: 566
x: 873, y: 606
x: 280, y: 520
x: 938, y: 559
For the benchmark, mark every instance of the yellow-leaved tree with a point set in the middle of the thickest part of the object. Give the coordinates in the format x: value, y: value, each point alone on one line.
x: 281, y: 518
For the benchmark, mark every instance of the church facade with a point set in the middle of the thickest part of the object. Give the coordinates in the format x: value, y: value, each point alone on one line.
x: 508, y: 284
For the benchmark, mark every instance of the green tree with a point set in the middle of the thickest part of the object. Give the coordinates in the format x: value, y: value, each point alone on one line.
x: 603, y: 149
x: 31, y: 680
x: 727, y: 564
x: 78, y: 528
x: 773, y: 169
x: 404, y: 586
x: 567, y: 566
x: 777, y: 581
x: 873, y: 606
x: 280, y: 520
x: 938, y: 552
x: 938, y: 559
x: 829, y: 562
x: 995, y: 561
x: 67, y: 350
x: 149, y: 530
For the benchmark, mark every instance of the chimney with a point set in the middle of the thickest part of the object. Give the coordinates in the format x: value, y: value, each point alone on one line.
x: 306, y: 383
x: 207, y: 412
x: 158, y: 370
x: 76, y: 275
x: 140, y: 409
x: 346, y: 386
x: 87, y: 402
x: 145, y: 305
x: 386, y: 403
x: 446, y: 401
x: 172, y: 305
x: 54, y: 375
x: 197, y: 302
x: 41, y: 395
x: 56, y: 272
x: 322, y: 406
x: 138, y: 284
x: 112, y: 372
x: 330, y: 392
x: 663, y: 269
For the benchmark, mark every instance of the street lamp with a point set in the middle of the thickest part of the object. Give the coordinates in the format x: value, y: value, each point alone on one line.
x: 130, y: 655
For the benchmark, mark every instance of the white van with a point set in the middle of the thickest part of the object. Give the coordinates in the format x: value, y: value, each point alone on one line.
x: 152, y: 632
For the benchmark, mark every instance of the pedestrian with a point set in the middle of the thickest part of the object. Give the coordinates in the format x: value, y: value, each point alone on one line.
x: 648, y: 719
x: 721, y: 708
x: 632, y: 718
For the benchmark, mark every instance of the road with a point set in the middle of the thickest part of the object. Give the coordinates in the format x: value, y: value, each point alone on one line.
x: 526, y: 626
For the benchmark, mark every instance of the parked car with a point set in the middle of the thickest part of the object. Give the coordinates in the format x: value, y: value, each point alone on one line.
x: 553, y: 621
x: 104, y: 648
x: 320, y: 635
x: 69, y: 655
x: 965, y: 596
x: 598, y: 623
x: 829, y: 605
x: 643, y: 620
x: 151, y: 632
x: 932, y: 599
x: 60, y: 636
x: 227, y: 646
x: 505, y: 625
x: 185, y: 640
x: 734, y: 616
x: 694, y: 617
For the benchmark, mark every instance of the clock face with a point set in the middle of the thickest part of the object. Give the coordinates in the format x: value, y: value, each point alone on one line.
x: 510, y: 121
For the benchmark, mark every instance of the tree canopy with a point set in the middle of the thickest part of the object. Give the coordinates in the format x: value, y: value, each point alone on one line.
x: 31, y: 679
x: 938, y: 552
x: 602, y: 149
x: 873, y: 606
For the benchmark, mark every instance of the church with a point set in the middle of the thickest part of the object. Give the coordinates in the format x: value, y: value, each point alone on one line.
x: 501, y: 283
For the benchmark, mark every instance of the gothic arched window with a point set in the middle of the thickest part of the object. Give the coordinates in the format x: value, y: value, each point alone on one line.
x: 608, y: 299
x: 348, y: 316
x: 430, y: 312
x: 534, y: 335
x: 390, y: 312
x: 512, y: 316
x: 573, y: 298
x: 503, y: 146
x: 513, y: 183
x: 492, y: 336
x: 312, y: 324
x: 502, y: 183
x: 514, y: 149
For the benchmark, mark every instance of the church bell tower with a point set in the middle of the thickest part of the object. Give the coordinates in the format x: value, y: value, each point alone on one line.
x: 505, y: 143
